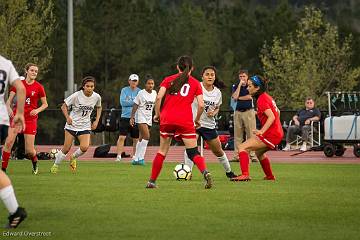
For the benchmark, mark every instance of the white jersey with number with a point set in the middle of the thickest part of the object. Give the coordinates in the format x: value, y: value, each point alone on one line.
x: 81, y: 109
x: 145, y: 102
x: 8, y: 75
x: 212, y: 100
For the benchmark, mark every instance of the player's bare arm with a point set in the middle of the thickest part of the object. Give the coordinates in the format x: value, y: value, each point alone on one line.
x: 158, y: 101
x: 9, y: 102
x: 200, y: 110
x: 65, y: 111
x: 97, y: 119
x: 133, y: 111
x: 42, y: 107
x: 270, y: 119
x: 19, y: 120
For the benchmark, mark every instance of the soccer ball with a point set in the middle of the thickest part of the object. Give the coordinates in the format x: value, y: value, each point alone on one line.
x: 53, y: 152
x: 182, y: 172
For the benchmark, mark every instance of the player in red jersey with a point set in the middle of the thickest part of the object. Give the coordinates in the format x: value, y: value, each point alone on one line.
x: 267, y: 137
x: 176, y: 119
x: 34, y: 92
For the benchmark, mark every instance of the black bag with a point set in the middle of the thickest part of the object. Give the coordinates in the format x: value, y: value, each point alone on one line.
x: 43, y: 156
x: 230, y: 144
x: 102, y: 151
x: 111, y: 120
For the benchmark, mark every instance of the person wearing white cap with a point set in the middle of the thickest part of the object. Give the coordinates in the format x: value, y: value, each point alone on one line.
x: 127, y: 97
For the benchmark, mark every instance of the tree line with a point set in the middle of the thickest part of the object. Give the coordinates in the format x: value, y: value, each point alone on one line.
x: 303, y: 49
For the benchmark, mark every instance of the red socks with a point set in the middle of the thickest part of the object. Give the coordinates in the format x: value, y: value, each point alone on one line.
x: 265, y: 164
x: 200, y: 163
x: 5, y: 159
x: 244, y: 162
x: 156, y: 166
x: 33, y: 158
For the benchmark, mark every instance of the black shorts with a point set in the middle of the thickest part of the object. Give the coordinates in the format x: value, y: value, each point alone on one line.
x: 126, y: 128
x: 3, y: 133
x: 207, y: 134
x: 78, y: 133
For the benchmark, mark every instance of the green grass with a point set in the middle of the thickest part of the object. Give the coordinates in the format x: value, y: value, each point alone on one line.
x: 108, y: 200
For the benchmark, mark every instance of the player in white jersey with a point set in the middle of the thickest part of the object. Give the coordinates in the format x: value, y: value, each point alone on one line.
x: 8, y: 74
x: 212, y: 101
x: 78, y: 123
x: 141, y: 115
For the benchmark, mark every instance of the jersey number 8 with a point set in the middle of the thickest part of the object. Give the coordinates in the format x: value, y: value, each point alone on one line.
x: 2, y: 81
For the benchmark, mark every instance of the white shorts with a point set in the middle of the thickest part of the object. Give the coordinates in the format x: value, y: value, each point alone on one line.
x: 143, y: 119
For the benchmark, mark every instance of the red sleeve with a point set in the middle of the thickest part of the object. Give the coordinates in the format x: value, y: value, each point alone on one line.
x: 199, y: 88
x: 165, y: 83
x: 13, y: 89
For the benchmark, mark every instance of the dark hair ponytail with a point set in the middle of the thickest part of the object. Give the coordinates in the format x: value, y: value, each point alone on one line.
x: 185, y: 65
x: 217, y: 82
x: 87, y: 79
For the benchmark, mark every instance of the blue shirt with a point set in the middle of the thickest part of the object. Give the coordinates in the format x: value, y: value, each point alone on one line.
x: 304, y: 114
x: 127, y: 97
x: 242, y: 105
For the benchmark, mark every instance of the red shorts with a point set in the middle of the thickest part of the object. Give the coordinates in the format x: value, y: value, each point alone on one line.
x: 177, y: 131
x: 270, y: 141
x: 30, y: 127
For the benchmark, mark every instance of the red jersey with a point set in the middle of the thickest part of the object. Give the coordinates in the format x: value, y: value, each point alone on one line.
x: 275, y: 131
x: 34, y: 92
x: 177, y: 107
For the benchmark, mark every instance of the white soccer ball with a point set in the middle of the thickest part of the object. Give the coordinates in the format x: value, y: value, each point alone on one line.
x: 53, y: 152
x: 182, y: 172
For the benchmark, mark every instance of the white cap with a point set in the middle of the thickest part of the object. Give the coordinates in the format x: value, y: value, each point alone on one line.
x: 134, y: 77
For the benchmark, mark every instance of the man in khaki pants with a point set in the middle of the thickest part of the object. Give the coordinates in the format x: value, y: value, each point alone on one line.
x: 244, y: 114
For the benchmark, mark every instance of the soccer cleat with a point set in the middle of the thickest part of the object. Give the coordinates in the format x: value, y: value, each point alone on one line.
x: 54, y: 168
x: 141, y: 162
x: 231, y: 175
x: 208, y: 180
x: 271, y: 178
x: 35, y: 171
x: 118, y: 158
x: 151, y: 185
x: 3, y: 169
x: 73, y: 164
x: 16, y: 218
x: 241, y: 178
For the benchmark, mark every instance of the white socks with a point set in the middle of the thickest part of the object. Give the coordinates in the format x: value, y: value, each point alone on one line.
x: 59, y: 157
x: 225, y: 162
x: 188, y: 161
x: 7, y: 195
x: 140, y: 150
x: 77, y: 153
x: 143, y: 146
x: 137, y: 151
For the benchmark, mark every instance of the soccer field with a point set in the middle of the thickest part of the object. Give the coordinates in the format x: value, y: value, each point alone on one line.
x: 105, y: 200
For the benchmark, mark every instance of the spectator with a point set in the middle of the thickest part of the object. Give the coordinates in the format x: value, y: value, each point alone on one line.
x: 127, y: 97
x: 302, y: 121
x: 244, y: 114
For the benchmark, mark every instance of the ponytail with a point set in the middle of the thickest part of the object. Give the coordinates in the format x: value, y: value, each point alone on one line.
x: 185, y: 65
